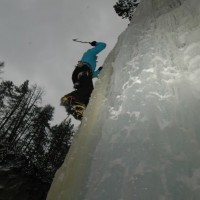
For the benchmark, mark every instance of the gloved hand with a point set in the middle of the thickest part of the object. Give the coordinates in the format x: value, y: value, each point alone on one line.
x: 76, y: 85
x: 100, y: 68
x: 93, y: 43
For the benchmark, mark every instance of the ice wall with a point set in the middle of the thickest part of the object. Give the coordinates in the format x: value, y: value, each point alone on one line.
x: 140, y: 136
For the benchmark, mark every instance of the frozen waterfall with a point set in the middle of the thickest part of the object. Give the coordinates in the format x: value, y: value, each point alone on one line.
x: 140, y: 136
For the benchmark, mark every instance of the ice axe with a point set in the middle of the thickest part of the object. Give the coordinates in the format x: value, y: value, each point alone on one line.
x: 76, y: 40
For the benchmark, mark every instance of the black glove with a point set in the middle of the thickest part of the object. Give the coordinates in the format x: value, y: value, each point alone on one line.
x: 100, y: 68
x: 93, y: 43
x: 76, y: 85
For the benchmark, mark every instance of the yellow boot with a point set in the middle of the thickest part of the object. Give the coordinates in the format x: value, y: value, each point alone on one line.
x: 73, y: 107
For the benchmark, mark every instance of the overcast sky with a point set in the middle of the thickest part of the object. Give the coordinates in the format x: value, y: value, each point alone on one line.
x: 36, y: 41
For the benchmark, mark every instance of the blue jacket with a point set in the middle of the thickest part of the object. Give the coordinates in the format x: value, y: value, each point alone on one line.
x: 90, y: 56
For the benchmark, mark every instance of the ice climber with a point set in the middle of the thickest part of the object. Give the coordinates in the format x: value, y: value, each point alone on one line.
x: 76, y: 101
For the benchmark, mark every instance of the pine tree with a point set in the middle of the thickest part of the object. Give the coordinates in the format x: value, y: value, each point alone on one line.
x: 126, y: 8
x: 26, y: 132
x: 6, y: 89
x: 60, y: 142
x: 1, y: 66
x: 13, y: 97
x: 21, y: 103
x: 37, y: 139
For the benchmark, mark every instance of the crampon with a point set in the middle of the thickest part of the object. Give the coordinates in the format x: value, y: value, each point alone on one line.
x: 73, y: 107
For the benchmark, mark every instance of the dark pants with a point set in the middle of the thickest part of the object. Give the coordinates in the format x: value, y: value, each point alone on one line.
x: 84, y: 89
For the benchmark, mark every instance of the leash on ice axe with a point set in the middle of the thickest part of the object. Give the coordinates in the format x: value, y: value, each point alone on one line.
x: 76, y: 40
x: 93, y: 43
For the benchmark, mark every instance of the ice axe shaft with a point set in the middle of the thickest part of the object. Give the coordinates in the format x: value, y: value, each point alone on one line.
x: 76, y: 40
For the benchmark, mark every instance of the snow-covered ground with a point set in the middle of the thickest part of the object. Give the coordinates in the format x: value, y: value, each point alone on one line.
x: 140, y: 136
